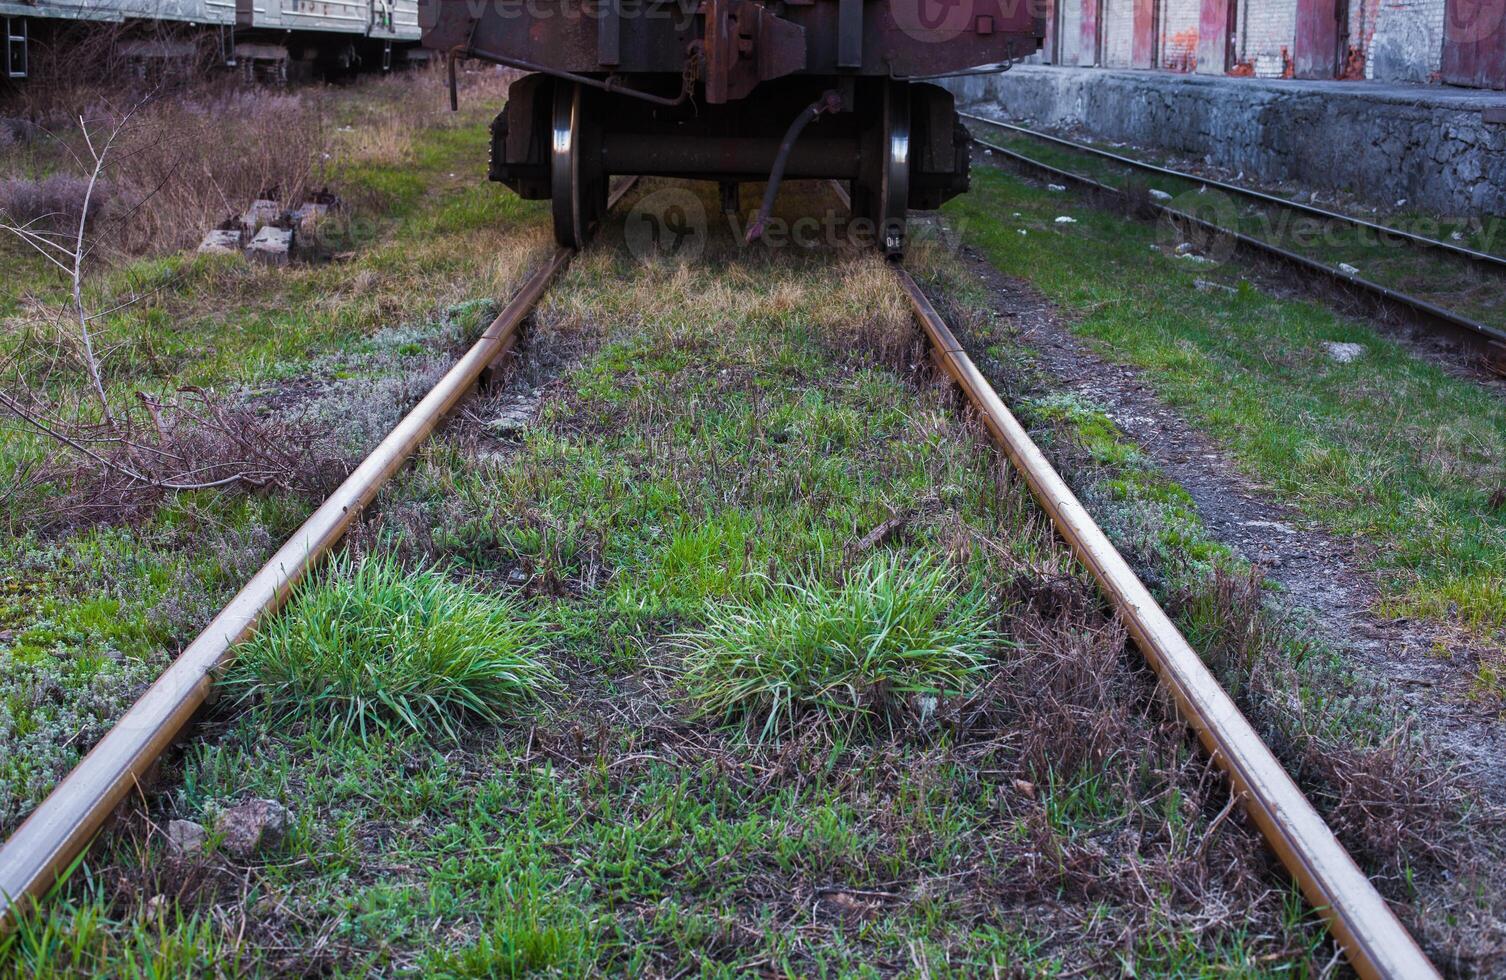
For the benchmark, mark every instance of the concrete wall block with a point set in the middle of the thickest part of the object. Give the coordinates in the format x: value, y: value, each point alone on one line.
x: 1405, y: 43
x: 221, y: 240
x: 1432, y: 149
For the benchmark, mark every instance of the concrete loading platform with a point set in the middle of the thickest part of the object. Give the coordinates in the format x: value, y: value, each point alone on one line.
x: 1439, y: 149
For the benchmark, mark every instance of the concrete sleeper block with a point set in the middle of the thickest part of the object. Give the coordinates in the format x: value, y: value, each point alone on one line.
x: 271, y: 245
x: 221, y: 240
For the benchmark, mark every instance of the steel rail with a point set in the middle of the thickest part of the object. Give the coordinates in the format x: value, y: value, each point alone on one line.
x: 1493, y: 337
x: 1424, y: 241
x: 59, y: 829
x: 1376, y: 942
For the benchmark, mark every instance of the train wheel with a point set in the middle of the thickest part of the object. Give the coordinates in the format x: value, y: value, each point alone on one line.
x: 578, y: 185
x: 883, y: 188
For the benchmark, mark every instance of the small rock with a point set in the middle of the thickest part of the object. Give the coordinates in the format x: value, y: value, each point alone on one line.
x: 1065, y: 219
x: 1342, y: 352
x: 1017, y: 214
x: 1159, y: 195
x: 1023, y: 231
x: 221, y: 240
x: 1056, y: 188
x: 1025, y: 787
x: 186, y: 838
x: 515, y: 417
x: 1401, y: 202
x: 271, y: 245
x: 1348, y: 269
x: 926, y: 704
x: 1273, y: 525
x: 261, y: 212
x: 987, y: 152
x: 1457, y: 236
x: 1186, y: 248
x: 251, y: 827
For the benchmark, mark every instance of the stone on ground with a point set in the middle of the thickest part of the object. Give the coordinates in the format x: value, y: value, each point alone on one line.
x: 250, y: 827
x: 261, y: 212
x: 1343, y: 352
x: 186, y: 838
x: 218, y: 240
x: 272, y: 245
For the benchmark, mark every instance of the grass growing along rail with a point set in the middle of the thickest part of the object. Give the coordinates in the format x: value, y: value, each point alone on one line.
x: 370, y: 647
x: 894, y: 628
x: 1388, y: 449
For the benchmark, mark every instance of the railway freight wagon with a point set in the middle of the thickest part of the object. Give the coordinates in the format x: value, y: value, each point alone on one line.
x: 733, y: 91
x: 263, y: 37
x: 299, y: 35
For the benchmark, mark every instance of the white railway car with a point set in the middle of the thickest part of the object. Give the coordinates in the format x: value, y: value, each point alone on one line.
x: 256, y: 34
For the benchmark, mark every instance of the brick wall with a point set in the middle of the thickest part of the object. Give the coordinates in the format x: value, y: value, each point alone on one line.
x: 1266, y: 27
x: 1179, y: 33
x: 1118, y: 32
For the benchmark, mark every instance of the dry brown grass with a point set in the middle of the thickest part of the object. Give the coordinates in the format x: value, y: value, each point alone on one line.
x: 195, y: 155
x: 395, y: 108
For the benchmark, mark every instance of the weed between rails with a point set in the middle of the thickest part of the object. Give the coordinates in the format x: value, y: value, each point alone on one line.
x: 370, y: 648
x: 896, y: 636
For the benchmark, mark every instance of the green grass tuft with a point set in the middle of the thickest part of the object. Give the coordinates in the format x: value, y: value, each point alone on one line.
x: 372, y: 647
x: 895, y: 628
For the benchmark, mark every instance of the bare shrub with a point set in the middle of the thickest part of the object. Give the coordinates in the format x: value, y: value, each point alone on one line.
x: 1069, y: 694
x: 193, y: 161
x: 113, y: 472
x: 55, y: 202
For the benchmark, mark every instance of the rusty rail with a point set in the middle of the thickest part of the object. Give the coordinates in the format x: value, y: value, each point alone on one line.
x: 1376, y: 942
x: 59, y: 829
x: 1488, y: 341
x: 1423, y: 241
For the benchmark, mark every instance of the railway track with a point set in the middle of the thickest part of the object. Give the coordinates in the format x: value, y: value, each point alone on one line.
x: 1488, y: 340
x: 62, y: 827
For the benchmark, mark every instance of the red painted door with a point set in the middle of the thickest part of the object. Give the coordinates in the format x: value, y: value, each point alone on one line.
x: 1474, y: 43
x: 1143, y: 50
x: 1087, y: 43
x: 1317, y: 47
x: 1213, y: 36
